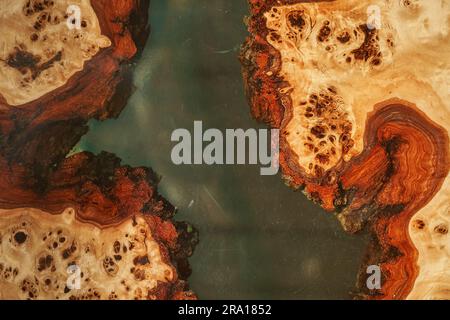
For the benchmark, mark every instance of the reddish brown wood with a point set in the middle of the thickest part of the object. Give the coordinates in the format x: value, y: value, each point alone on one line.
x: 404, y: 163
x: 36, y: 138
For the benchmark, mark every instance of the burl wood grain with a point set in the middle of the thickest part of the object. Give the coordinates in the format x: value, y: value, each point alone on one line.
x: 387, y: 171
x: 36, y: 138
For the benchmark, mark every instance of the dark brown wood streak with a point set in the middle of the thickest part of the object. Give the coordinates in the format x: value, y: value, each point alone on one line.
x: 405, y: 162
